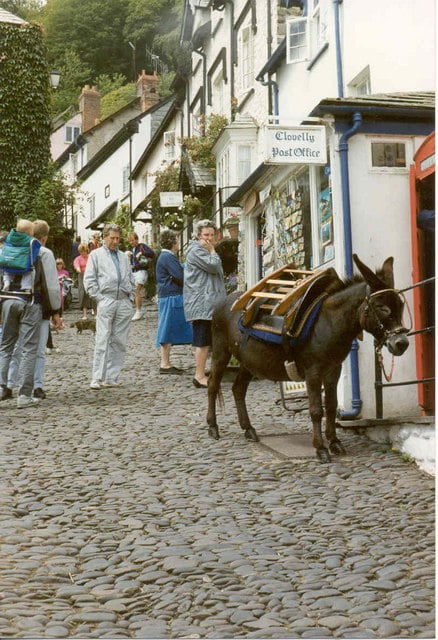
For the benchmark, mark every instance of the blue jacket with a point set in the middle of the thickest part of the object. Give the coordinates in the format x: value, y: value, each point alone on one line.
x: 170, y: 274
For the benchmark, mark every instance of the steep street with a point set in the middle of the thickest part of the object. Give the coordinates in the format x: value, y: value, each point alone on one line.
x: 121, y: 518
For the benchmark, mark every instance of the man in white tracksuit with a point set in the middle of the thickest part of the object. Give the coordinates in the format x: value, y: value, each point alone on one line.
x: 109, y: 281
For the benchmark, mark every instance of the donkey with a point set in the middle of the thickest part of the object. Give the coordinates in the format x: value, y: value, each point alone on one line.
x: 367, y: 303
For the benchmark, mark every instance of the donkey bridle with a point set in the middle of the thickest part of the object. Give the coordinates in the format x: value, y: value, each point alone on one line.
x: 367, y: 306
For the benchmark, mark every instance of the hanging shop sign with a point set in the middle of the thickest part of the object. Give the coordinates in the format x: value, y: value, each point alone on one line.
x: 296, y: 145
x: 171, y: 198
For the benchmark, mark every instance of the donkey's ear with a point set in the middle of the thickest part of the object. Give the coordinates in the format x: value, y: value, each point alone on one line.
x: 386, y: 273
x: 370, y: 277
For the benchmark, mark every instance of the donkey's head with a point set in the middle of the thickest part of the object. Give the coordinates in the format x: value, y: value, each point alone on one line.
x: 381, y: 313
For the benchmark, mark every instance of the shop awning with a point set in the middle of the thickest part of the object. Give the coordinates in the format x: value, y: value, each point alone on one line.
x: 257, y: 176
x: 103, y: 217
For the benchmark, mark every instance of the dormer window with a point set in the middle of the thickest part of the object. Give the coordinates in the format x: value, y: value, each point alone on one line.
x: 71, y: 133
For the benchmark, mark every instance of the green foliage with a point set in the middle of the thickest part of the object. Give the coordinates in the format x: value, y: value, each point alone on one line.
x: 199, y: 147
x: 106, y: 83
x: 100, y: 32
x: 165, y: 180
x: 117, y: 99
x: 24, y: 116
x: 91, y: 28
x: 164, y: 82
x: 122, y: 217
x: 74, y: 74
x: 50, y: 200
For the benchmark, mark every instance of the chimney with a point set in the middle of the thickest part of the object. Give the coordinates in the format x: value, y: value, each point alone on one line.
x: 89, y: 106
x: 147, y: 89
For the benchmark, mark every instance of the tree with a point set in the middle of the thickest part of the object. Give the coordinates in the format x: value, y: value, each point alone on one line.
x: 74, y: 74
x: 25, y: 117
x: 99, y: 33
x: 93, y: 30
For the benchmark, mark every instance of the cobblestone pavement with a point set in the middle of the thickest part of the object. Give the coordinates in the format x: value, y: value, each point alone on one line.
x: 121, y: 518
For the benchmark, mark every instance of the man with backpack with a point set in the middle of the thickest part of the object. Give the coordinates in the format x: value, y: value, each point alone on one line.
x: 27, y: 292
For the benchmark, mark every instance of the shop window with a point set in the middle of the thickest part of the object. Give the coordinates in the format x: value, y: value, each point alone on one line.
x: 324, y: 215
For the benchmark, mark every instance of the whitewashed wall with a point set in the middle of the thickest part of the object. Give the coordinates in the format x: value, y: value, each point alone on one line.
x: 396, y: 38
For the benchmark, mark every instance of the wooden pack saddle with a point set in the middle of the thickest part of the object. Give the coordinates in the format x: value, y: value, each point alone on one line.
x: 282, y: 302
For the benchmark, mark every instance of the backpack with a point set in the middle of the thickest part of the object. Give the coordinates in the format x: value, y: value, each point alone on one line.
x: 17, y: 262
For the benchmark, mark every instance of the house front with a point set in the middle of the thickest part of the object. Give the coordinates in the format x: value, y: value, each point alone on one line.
x: 328, y: 105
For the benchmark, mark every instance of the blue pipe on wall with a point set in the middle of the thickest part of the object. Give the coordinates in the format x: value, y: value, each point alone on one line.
x: 356, y: 401
x: 271, y: 83
x: 338, y: 50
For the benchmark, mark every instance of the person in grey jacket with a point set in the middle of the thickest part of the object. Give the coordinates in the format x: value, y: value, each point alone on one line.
x: 203, y: 289
x: 109, y: 281
x: 22, y: 320
x: 41, y: 231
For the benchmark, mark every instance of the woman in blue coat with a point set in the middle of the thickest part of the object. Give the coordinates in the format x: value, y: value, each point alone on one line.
x: 172, y: 325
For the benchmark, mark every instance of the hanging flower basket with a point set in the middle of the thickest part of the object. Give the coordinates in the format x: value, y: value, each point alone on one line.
x: 191, y: 206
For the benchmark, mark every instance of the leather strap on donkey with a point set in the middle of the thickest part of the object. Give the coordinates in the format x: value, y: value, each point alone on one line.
x: 283, y: 307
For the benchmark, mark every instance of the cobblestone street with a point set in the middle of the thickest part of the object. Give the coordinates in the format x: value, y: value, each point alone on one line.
x: 121, y: 518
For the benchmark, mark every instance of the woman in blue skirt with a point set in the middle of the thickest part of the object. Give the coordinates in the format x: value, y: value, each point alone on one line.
x: 172, y: 325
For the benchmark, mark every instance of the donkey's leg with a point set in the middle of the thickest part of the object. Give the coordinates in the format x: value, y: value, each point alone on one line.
x: 240, y: 388
x: 331, y: 405
x: 219, y: 360
x: 313, y: 382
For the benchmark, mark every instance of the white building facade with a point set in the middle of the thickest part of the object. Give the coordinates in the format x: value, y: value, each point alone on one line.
x: 346, y: 71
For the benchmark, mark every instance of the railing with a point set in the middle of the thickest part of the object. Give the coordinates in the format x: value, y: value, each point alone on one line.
x: 379, y: 385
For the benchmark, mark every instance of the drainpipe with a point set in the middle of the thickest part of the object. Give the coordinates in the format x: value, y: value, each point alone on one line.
x: 338, y: 50
x: 274, y: 85
x: 356, y: 401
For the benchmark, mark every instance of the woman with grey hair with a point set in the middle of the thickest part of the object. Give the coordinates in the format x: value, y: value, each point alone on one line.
x: 172, y: 325
x: 203, y: 289
x: 109, y: 281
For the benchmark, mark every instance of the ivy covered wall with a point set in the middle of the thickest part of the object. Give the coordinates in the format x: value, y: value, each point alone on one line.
x: 24, y: 119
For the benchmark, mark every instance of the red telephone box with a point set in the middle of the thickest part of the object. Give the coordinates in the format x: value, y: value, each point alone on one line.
x: 422, y: 193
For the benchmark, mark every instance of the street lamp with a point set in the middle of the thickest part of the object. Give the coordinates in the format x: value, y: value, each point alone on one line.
x: 54, y: 78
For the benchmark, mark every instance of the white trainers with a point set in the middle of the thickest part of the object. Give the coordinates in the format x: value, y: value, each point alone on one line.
x: 95, y: 385
x: 112, y: 384
x: 137, y: 315
x: 26, y: 401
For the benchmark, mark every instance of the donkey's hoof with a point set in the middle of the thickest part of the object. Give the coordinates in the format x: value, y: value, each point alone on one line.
x: 213, y: 432
x: 323, y: 455
x: 337, y: 448
x: 250, y: 434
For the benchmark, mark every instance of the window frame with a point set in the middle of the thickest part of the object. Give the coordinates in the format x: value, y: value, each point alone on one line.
x: 92, y: 207
x: 125, y: 180
x: 305, y: 47
x: 169, y: 141
x: 246, y: 57
x: 389, y: 140
x: 241, y: 162
x: 74, y: 130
